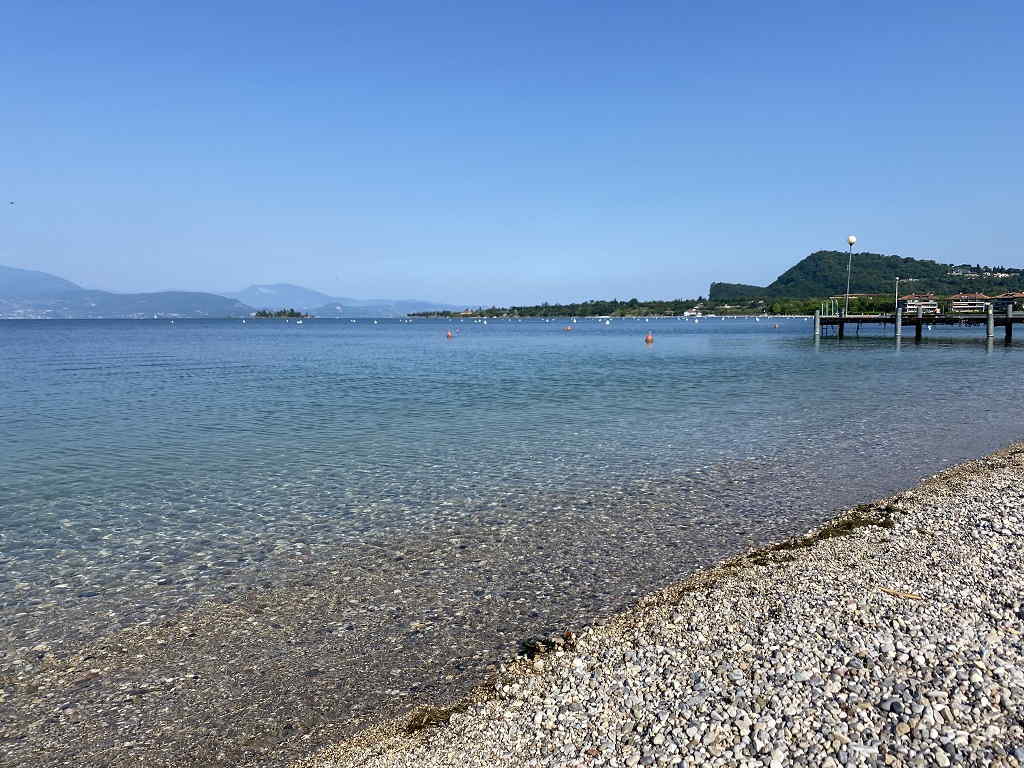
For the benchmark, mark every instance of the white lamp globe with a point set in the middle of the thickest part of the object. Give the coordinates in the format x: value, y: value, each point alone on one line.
x: 852, y: 239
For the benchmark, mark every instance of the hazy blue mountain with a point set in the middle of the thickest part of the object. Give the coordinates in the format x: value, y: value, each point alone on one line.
x: 27, y: 283
x: 102, y: 304
x: 344, y: 307
x: 281, y: 295
x: 25, y: 293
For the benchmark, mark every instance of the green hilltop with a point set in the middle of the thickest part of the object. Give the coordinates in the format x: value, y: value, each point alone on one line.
x: 823, y: 273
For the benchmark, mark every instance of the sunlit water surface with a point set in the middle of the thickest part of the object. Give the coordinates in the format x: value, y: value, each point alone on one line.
x: 153, y: 464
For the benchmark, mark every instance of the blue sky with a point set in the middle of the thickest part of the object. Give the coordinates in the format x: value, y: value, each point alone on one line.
x: 517, y: 152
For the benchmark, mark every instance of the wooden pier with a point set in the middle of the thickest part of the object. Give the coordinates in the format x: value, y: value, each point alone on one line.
x: 991, y: 320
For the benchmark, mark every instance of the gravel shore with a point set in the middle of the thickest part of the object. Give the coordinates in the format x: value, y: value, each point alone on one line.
x: 892, y: 636
x: 305, y: 652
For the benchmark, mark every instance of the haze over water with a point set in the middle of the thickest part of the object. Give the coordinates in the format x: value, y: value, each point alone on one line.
x: 149, y: 466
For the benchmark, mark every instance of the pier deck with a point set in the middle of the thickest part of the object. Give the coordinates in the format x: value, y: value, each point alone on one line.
x: 991, y: 320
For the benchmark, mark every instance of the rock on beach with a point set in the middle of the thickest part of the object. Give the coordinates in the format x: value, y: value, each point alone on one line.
x: 893, y: 636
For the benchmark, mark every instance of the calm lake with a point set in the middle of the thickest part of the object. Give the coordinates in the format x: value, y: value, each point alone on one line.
x: 148, y: 466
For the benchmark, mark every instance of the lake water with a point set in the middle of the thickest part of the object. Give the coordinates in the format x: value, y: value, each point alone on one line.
x: 148, y: 466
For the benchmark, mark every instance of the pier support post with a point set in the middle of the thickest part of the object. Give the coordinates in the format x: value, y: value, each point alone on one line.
x: 991, y: 331
x: 842, y: 325
x: 899, y: 322
x: 817, y: 323
x: 919, y: 327
x: 1009, y: 323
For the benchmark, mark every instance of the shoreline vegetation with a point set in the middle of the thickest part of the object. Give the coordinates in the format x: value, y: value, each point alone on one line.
x: 699, y: 307
x: 892, y: 635
x: 800, y: 290
x: 656, y: 308
x: 265, y: 314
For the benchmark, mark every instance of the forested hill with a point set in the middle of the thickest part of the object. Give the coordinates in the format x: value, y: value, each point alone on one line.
x: 823, y: 273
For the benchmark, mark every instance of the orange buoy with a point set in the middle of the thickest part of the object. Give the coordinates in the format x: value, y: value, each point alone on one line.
x: 449, y: 335
x: 567, y: 328
x: 649, y: 338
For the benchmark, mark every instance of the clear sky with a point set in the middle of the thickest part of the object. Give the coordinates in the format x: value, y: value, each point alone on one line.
x: 479, y: 152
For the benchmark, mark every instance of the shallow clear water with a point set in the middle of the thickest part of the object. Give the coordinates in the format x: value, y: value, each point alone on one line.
x: 154, y: 464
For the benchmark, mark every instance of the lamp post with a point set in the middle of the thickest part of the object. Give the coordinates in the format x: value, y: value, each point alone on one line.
x: 897, y: 304
x: 849, y: 265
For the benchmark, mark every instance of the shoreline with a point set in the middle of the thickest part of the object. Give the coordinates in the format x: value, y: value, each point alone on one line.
x: 524, y: 715
x: 256, y: 682
x: 412, y: 614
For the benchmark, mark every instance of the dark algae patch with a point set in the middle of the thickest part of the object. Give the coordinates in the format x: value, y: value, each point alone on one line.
x: 531, y: 647
x: 862, y: 516
x: 875, y: 515
x: 425, y: 717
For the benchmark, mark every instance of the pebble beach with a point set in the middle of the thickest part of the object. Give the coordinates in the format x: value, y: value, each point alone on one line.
x: 893, y: 635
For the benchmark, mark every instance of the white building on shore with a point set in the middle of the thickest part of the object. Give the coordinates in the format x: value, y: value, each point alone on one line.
x: 926, y: 302
x: 969, y: 302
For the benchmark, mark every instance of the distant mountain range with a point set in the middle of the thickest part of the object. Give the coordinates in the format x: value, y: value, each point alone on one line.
x: 103, y: 304
x: 25, y: 293
x: 823, y: 273
x: 29, y: 294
